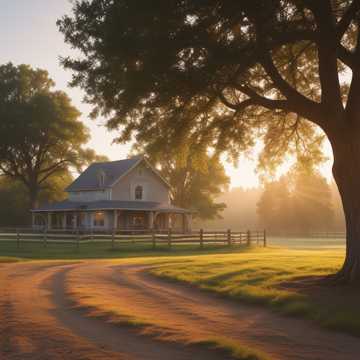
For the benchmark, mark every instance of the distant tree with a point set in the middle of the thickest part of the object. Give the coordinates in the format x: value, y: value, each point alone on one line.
x: 240, y: 212
x: 311, y: 200
x: 274, y: 207
x: 41, y: 135
x: 229, y: 72
x: 300, y: 201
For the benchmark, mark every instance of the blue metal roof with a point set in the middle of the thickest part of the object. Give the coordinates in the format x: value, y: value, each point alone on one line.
x: 113, y: 170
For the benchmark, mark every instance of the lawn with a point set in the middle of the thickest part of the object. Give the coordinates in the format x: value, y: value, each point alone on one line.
x: 285, y: 280
x: 102, y: 250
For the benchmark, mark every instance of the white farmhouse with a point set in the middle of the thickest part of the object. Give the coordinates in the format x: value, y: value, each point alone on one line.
x: 126, y: 195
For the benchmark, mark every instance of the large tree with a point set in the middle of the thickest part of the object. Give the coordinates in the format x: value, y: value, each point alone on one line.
x: 41, y: 135
x: 229, y: 72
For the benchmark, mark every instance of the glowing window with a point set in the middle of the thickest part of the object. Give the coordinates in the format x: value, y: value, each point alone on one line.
x: 99, y: 219
x: 138, y: 193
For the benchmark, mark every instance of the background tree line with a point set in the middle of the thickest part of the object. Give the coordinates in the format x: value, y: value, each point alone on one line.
x: 300, y: 201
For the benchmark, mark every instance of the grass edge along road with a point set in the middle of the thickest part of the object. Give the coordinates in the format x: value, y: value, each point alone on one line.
x: 283, y: 280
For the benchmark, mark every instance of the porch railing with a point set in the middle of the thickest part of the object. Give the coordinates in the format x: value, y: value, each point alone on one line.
x: 115, y: 236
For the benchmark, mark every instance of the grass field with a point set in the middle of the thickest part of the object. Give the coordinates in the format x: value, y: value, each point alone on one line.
x: 284, y: 280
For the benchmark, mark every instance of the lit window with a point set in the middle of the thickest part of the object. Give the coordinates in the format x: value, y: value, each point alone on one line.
x: 138, y: 193
x: 99, y: 219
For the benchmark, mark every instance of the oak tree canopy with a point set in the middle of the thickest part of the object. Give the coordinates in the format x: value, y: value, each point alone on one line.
x: 227, y: 73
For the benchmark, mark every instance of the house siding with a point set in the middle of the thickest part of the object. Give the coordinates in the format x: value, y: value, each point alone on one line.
x: 90, y: 195
x: 154, y: 188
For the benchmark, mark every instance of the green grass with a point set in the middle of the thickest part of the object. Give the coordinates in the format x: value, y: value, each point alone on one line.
x: 96, y: 250
x: 283, y: 280
x: 4, y: 259
x: 233, y: 348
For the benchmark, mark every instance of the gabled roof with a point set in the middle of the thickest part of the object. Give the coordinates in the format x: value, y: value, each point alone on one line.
x: 113, y: 171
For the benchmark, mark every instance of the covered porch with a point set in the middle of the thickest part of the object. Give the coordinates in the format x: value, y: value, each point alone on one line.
x: 178, y: 220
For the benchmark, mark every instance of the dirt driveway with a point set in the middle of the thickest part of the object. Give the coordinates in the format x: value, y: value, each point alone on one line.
x: 37, y: 320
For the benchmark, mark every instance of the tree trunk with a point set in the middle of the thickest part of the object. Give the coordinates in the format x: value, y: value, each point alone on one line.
x: 346, y: 171
x: 33, y: 197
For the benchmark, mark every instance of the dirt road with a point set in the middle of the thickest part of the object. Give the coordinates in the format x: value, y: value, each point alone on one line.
x: 37, y: 320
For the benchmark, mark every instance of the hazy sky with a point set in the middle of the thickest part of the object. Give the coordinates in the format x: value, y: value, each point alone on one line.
x: 29, y: 35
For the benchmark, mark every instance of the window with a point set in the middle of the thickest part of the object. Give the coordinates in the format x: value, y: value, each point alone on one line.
x: 99, y: 219
x: 101, y: 178
x: 138, y: 221
x: 138, y: 192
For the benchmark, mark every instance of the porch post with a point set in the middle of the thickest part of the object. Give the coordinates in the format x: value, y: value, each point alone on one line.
x: 33, y: 220
x: 155, y: 214
x: 168, y: 221
x: 64, y: 220
x: 188, y: 218
x: 91, y: 217
x: 115, y: 225
x: 151, y: 220
x: 49, y: 220
x: 75, y: 221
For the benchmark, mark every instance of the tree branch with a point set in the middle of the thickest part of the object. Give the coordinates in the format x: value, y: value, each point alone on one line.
x: 347, y: 18
x: 237, y: 107
x: 328, y: 55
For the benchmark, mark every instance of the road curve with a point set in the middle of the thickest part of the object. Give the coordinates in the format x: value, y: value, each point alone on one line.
x: 37, y: 321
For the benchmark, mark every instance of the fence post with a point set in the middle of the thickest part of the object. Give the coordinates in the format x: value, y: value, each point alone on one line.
x: 201, y: 238
x: 113, y: 239
x: 248, y: 238
x: 17, y: 238
x: 169, y: 237
x: 45, y: 237
x: 229, y: 237
x: 153, y: 238
x: 264, y: 238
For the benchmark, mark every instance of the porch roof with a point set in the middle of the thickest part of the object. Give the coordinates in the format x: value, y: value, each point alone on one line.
x: 68, y: 205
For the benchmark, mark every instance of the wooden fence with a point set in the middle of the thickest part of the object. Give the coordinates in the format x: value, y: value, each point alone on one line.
x: 311, y: 235
x: 115, y: 236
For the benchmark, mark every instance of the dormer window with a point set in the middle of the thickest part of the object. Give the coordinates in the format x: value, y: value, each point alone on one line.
x: 138, y: 192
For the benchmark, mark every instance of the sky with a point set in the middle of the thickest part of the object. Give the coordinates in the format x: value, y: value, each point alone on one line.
x: 29, y: 35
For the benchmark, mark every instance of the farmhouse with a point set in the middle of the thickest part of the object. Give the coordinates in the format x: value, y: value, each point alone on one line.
x: 127, y: 194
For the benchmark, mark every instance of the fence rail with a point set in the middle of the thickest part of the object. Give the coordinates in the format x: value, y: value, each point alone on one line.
x: 311, y: 235
x: 116, y: 236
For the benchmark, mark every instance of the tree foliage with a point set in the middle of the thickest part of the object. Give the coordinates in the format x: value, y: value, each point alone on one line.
x: 40, y: 131
x: 14, y: 198
x: 190, y: 70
